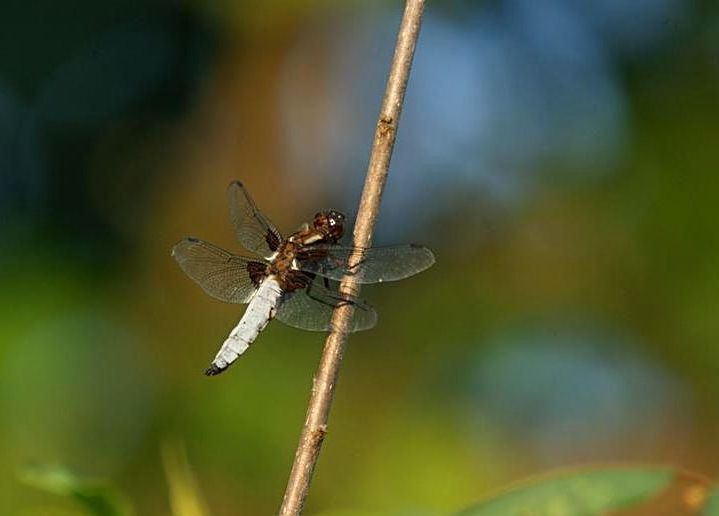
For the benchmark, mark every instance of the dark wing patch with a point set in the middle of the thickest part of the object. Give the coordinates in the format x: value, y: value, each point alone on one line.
x: 295, y: 280
x: 257, y: 272
x: 273, y: 240
x: 255, y: 231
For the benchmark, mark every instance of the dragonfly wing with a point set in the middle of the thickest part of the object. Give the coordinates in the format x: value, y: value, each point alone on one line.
x: 255, y: 231
x: 376, y: 265
x: 311, y: 309
x: 223, y: 275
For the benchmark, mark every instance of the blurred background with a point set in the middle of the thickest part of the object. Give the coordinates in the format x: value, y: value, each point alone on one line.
x: 560, y: 157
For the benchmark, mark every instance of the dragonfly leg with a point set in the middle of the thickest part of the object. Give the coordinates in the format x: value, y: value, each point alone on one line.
x: 343, y: 300
x: 355, y: 268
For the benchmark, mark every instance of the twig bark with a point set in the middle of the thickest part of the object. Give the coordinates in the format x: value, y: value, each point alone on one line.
x: 315, y: 427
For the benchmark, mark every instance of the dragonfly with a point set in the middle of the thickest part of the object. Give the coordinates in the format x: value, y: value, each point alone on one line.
x: 295, y: 279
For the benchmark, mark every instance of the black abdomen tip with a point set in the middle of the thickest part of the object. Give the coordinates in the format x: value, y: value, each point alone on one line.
x: 214, y: 370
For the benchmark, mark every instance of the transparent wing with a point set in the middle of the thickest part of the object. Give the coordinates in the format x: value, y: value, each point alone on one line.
x: 377, y: 264
x: 255, y: 231
x: 311, y: 309
x: 223, y: 275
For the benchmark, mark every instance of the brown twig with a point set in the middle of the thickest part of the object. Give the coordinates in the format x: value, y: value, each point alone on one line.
x: 315, y: 427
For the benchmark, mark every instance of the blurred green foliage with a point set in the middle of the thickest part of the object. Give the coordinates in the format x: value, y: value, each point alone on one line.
x: 712, y: 507
x: 560, y: 160
x: 185, y: 496
x: 96, y: 497
x: 593, y: 492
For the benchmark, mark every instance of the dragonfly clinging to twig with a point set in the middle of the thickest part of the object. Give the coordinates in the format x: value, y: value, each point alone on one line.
x: 293, y: 279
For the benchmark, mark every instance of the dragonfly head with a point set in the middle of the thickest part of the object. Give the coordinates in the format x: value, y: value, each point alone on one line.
x: 331, y: 224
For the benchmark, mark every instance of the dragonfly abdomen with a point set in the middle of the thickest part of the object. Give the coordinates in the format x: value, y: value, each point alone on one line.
x: 260, y: 311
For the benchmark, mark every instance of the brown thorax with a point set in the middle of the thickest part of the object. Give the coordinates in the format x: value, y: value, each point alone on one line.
x: 327, y: 228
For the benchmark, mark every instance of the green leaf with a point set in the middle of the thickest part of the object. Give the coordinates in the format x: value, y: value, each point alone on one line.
x: 712, y: 506
x: 580, y: 493
x: 96, y: 496
x: 185, y: 496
